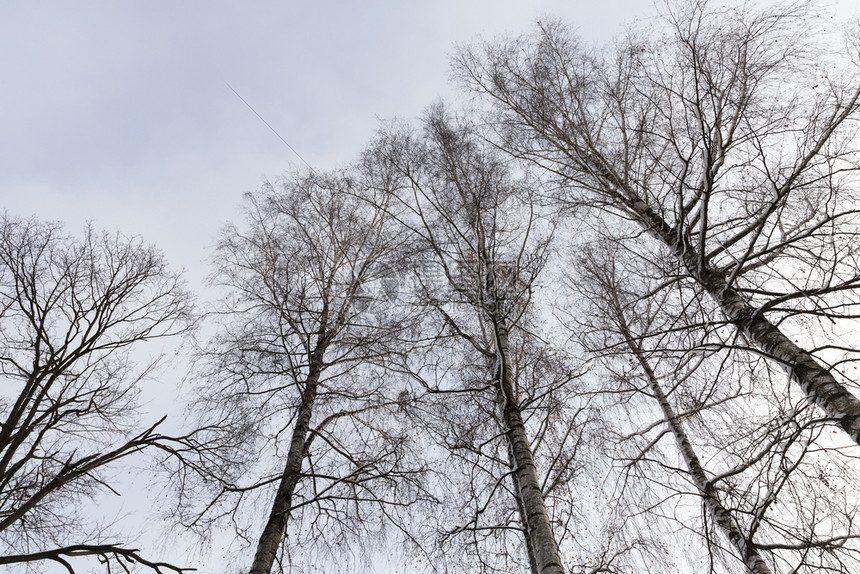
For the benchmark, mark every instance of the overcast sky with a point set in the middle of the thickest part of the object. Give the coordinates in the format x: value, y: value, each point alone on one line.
x: 119, y: 112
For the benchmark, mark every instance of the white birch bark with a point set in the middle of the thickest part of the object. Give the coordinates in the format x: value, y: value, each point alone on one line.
x: 722, y: 516
x: 539, y: 535
x: 814, y: 379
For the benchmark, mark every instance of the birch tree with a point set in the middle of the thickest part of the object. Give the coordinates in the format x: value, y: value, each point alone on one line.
x: 729, y: 139
x: 483, y: 243
x: 754, y: 464
x: 303, y: 416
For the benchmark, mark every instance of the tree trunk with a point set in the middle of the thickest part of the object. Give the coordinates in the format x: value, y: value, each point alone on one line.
x: 523, y: 520
x: 273, y: 532
x: 722, y: 516
x: 815, y: 380
x: 539, y: 535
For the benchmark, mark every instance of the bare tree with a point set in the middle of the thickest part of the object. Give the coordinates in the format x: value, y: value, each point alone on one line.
x: 501, y: 414
x: 72, y: 310
x: 729, y: 141
x: 757, y: 476
x: 303, y: 415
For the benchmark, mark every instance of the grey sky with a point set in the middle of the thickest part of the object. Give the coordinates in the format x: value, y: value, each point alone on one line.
x: 118, y: 111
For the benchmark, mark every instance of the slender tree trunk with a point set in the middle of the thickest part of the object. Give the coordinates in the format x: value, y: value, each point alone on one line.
x: 273, y: 532
x: 524, y: 520
x: 754, y: 562
x: 539, y: 535
x: 814, y: 379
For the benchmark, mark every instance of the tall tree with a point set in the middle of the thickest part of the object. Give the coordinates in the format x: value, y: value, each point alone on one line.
x: 482, y: 243
x: 300, y: 409
x: 72, y: 311
x: 753, y: 459
x: 729, y: 141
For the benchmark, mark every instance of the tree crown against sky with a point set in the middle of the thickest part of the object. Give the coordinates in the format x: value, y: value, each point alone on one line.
x: 72, y: 310
x: 477, y: 225
x: 292, y: 386
x: 726, y: 136
x: 728, y: 140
